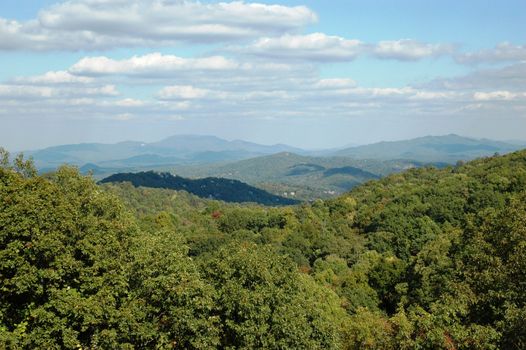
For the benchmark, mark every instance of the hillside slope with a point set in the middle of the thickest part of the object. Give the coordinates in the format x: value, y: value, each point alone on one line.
x: 424, y: 259
x: 307, y: 177
x: 427, y: 258
x: 213, y: 188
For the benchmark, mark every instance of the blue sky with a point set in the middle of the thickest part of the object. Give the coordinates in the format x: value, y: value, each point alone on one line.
x: 313, y: 74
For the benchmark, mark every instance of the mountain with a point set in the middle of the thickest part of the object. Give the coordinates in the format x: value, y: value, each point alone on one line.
x: 426, y: 259
x: 198, y: 150
x: 304, y: 177
x: 213, y: 188
x: 189, y: 144
x: 178, y: 149
x: 520, y: 143
x: 274, y: 167
x: 448, y: 148
x: 80, y: 154
x: 279, y: 169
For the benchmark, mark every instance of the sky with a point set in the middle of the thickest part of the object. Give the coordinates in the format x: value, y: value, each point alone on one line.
x: 312, y: 74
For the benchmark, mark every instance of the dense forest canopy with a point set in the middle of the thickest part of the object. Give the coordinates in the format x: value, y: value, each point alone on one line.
x: 227, y: 190
x: 425, y: 259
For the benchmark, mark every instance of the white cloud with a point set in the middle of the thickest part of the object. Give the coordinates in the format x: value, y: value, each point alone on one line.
x: 94, y: 24
x: 173, y: 117
x: 28, y: 92
x: 503, y: 52
x: 274, y: 95
x: 498, y: 96
x: 129, y: 102
x: 217, y: 87
x: 388, y: 91
x: 215, y: 71
x: 22, y: 91
x: 409, y: 50
x: 106, y: 90
x: 175, y: 105
x: 150, y: 64
x: 59, y: 77
x: 80, y: 101
x: 309, y: 47
x: 335, y: 83
x: 319, y: 47
x: 183, y: 92
x: 434, y: 95
x: 310, y: 98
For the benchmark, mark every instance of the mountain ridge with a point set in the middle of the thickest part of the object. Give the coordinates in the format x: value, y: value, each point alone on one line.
x: 286, y: 169
x: 446, y: 148
x: 183, y: 149
x: 227, y: 190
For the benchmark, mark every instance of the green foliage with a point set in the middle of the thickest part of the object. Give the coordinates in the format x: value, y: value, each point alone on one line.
x: 64, y: 247
x: 299, y: 176
x: 425, y: 259
x: 213, y: 188
x: 166, y: 288
x: 263, y: 302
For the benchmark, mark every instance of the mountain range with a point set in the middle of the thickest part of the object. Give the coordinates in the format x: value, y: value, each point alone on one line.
x: 280, y: 169
x: 447, y: 148
x: 179, y: 149
x: 196, y: 150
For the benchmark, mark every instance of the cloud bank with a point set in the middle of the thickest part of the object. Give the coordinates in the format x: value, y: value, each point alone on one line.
x: 106, y: 24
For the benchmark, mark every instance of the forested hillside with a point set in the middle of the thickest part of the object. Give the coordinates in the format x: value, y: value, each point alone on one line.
x: 302, y: 177
x: 284, y: 174
x: 211, y: 187
x: 425, y: 259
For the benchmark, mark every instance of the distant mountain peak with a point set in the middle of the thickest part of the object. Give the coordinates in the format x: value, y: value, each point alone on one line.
x: 175, y: 150
x: 443, y: 148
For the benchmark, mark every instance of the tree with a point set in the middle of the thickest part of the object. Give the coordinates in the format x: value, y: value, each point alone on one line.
x: 263, y: 302
x: 63, y: 248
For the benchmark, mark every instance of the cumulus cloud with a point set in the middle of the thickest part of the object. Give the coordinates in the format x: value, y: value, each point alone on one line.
x: 434, y: 95
x: 319, y: 47
x: 26, y: 92
x: 503, y: 52
x: 498, y: 96
x: 231, y: 95
x: 335, y: 83
x: 106, y: 90
x: 338, y: 97
x: 383, y: 92
x: 217, y: 87
x: 310, y: 47
x: 96, y: 24
x: 183, y: 92
x: 216, y: 70
x: 409, y: 50
x: 149, y: 64
x: 58, y: 77
x: 129, y: 102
